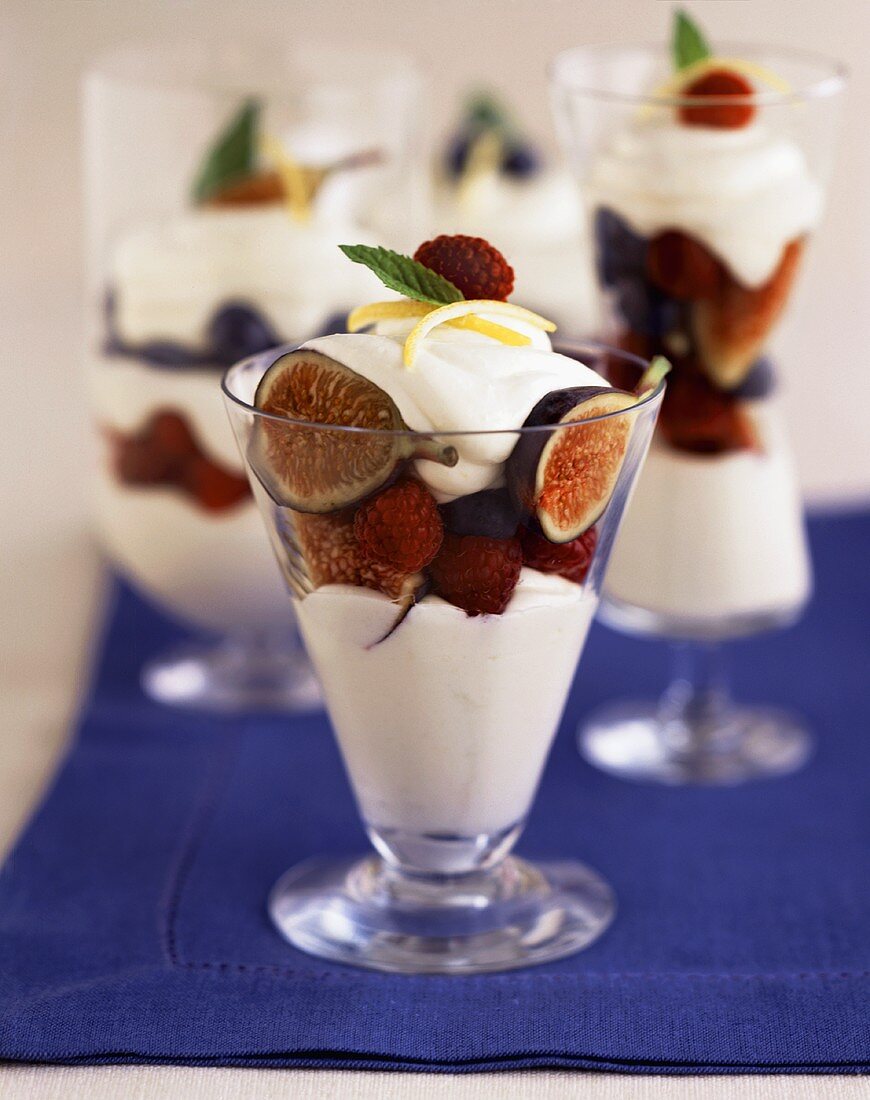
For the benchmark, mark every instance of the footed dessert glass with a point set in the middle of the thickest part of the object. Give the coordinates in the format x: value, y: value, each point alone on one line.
x: 444, y: 718
x: 219, y: 182
x: 702, y: 208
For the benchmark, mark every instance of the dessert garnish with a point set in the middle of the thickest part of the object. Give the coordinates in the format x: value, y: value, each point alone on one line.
x: 231, y: 175
x: 699, y: 74
x: 232, y: 159
x: 732, y: 327
x: 568, y: 559
x: 301, y: 183
x: 565, y: 479
x: 166, y: 453
x: 339, y: 471
x: 477, y: 573
x: 334, y: 555
x: 437, y: 300
x: 489, y: 140
x: 471, y: 264
x: 401, y: 526
x: 491, y: 512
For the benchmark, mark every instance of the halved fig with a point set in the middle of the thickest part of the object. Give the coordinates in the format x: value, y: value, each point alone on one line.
x: 317, y: 470
x: 564, y: 479
x: 732, y: 327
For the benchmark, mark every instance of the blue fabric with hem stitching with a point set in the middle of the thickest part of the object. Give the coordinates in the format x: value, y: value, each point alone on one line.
x: 132, y: 921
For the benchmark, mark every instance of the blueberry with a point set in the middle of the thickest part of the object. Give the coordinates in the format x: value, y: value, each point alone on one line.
x: 490, y: 512
x: 760, y: 382
x: 521, y: 160
x: 620, y: 251
x: 237, y: 331
x: 165, y: 353
x: 456, y: 154
x: 644, y: 309
x: 335, y: 322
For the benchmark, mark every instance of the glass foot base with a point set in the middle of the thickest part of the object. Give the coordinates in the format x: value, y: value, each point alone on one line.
x: 366, y: 914
x: 634, y: 741
x: 232, y: 678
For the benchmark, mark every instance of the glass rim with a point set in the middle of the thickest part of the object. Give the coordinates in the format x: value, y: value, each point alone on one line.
x: 650, y: 399
x: 167, y: 64
x: 834, y: 80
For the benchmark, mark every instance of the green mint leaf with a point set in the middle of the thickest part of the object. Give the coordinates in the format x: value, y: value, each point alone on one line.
x: 484, y: 112
x: 233, y: 155
x: 688, y: 44
x: 404, y: 275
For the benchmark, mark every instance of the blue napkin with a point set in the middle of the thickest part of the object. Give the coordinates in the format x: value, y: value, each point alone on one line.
x: 133, y: 928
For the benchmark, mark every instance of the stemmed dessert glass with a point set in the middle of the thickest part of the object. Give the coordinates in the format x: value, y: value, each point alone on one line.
x: 444, y: 719
x: 701, y: 210
x: 198, y: 258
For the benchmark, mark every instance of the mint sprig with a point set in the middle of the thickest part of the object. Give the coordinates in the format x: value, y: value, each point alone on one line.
x: 233, y: 155
x: 688, y: 44
x: 404, y: 275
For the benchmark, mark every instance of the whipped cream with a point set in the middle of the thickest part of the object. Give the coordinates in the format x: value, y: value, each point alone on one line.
x: 445, y: 725
x: 461, y: 381
x: 538, y: 224
x: 744, y: 193
x: 712, y: 538
x: 215, y: 570
x: 168, y: 279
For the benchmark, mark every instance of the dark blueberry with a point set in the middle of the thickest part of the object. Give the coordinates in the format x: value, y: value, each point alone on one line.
x: 490, y: 512
x: 619, y: 250
x: 760, y: 382
x: 237, y: 331
x: 165, y: 353
x: 335, y: 322
x: 456, y: 154
x: 644, y: 309
x: 521, y: 160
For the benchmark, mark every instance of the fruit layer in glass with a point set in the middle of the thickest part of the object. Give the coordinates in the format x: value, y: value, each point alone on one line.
x: 703, y: 189
x: 219, y: 184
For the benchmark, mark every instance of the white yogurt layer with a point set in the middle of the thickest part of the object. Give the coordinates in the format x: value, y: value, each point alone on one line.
x: 213, y: 569
x: 125, y: 393
x: 744, y: 193
x: 538, y: 225
x: 169, y: 279
x: 706, y: 538
x: 461, y: 380
x: 445, y: 725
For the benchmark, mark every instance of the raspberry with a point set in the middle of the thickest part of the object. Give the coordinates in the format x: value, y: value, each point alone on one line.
x: 701, y: 419
x: 400, y: 527
x: 477, y: 573
x: 471, y: 264
x: 211, y: 486
x: 719, y: 84
x: 332, y: 555
x: 170, y: 434
x: 570, y: 559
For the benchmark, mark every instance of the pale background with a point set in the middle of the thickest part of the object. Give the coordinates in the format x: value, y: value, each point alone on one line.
x: 50, y: 575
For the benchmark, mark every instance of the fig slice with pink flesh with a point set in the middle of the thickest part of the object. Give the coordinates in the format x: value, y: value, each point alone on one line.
x: 565, y: 478
x: 317, y: 470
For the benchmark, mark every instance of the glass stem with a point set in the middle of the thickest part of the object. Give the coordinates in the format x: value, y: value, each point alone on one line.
x: 695, y: 707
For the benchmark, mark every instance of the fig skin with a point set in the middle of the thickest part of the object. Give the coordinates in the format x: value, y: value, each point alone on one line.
x: 491, y: 512
x: 527, y: 463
